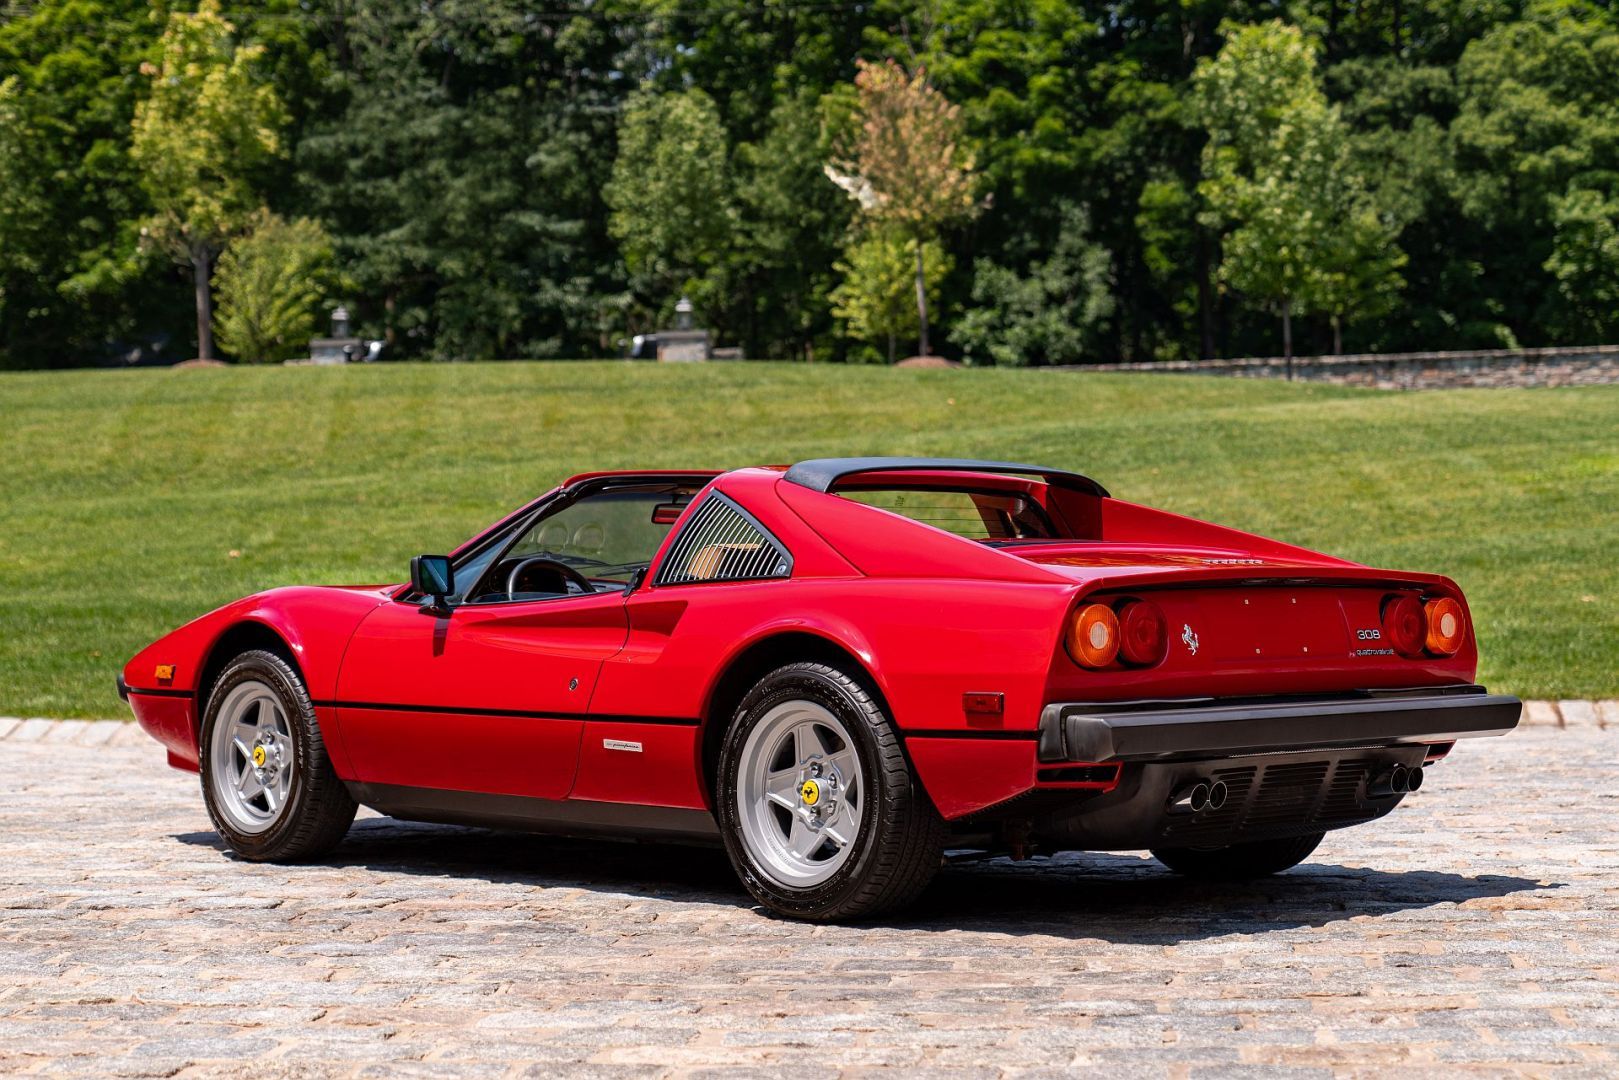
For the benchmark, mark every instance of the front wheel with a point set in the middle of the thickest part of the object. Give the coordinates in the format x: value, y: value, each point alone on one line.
x: 819, y: 811
x: 269, y: 786
x: 1239, y: 862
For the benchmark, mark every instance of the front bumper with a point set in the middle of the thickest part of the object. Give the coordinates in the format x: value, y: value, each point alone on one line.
x: 1170, y: 730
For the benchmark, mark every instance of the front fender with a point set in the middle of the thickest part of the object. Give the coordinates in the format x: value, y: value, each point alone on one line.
x: 166, y: 680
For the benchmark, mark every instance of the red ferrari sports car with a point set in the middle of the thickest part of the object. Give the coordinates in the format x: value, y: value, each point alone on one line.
x: 840, y: 671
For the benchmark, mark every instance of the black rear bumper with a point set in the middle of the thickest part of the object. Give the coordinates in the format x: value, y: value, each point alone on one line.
x: 1169, y: 730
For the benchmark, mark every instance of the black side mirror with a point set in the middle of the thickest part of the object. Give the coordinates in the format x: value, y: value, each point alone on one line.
x: 434, y: 578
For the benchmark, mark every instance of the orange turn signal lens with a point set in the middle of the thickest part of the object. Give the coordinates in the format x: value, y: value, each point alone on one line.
x: 1446, y: 626
x: 1143, y: 635
x: 1093, y: 635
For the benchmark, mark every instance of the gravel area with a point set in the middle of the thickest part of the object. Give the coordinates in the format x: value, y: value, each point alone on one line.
x: 1474, y: 931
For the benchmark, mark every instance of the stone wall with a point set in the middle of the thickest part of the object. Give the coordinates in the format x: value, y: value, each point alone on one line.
x: 1582, y: 366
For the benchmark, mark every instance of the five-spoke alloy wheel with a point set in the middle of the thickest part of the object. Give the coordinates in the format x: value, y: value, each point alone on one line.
x: 817, y: 805
x: 269, y: 786
x: 251, y: 751
x: 799, y: 793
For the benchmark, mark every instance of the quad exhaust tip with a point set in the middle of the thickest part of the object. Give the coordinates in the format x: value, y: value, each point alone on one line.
x: 1197, y: 797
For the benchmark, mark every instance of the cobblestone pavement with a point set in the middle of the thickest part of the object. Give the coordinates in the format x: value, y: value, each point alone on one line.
x: 1476, y: 930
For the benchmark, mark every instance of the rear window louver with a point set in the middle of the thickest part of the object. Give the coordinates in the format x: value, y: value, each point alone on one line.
x: 723, y: 542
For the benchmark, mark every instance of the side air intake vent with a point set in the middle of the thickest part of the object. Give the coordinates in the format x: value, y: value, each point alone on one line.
x: 723, y: 542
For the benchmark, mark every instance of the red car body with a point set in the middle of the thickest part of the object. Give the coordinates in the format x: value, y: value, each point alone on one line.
x: 520, y: 713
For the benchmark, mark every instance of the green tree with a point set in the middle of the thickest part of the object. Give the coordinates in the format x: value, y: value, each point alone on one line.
x: 273, y: 284
x: 1398, y: 113
x: 907, y: 165
x: 24, y: 202
x: 1538, y: 123
x: 1585, y: 262
x: 877, y: 296
x: 1302, y: 232
x: 1056, y: 314
x: 459, y: 163
x: 790, y: 223
x: 671, y: 198
x: 208, y: 129
x: 70, y: 200
x: 1357, y: 262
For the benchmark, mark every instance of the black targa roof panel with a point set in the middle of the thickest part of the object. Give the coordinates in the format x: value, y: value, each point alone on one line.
x: 821, y: 474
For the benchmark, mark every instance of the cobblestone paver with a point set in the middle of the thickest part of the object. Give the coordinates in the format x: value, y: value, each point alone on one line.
x: 1475, y: 931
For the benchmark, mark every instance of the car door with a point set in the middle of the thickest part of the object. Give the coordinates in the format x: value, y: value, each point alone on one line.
x: 486, y: 698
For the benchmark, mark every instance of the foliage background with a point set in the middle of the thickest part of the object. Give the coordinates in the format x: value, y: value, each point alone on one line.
x: 459, y: 154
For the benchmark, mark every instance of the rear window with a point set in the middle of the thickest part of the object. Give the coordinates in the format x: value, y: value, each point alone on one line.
x: 976, y: 515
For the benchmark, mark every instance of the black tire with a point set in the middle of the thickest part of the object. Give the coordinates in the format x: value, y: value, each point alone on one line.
x: 900, y: 843
x: 1239, y: 862
x: 318, y: 809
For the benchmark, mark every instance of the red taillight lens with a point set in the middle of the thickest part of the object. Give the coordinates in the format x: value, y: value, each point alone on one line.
x: 1405, y: 627
x: 1093, y: 635
x: 1446, y: 626
x: 1143, y: 636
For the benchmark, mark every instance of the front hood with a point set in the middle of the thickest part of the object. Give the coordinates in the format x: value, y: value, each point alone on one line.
x: 380, y: 590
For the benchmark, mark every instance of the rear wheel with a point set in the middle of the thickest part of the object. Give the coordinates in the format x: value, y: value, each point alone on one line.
x: 267, y: 781
x: 819, y: 811
x: 1239, y: 862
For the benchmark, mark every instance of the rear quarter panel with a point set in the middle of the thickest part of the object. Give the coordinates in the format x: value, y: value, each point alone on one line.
x: 924, y: 643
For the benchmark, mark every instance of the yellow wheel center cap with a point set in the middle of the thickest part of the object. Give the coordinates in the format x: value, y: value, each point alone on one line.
x: 810, y: 793
x: 258, y: 756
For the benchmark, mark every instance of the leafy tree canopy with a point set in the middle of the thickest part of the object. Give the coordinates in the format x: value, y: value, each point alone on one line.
x: 500, y: 179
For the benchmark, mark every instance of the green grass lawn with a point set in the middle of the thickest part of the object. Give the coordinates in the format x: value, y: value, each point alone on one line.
x: 133, y: 501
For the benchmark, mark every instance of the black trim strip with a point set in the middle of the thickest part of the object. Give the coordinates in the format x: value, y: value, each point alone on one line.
x: 971, y: 733
x: 569, y: 817
x: 161, y: 693
x: 594, y: 718
x: 1092, y: 733
x: 821, y: 474
x: 1097, y: 708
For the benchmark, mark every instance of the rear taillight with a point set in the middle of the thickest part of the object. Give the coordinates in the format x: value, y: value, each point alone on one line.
x: 1405, y: 626
x: 1446, y: 626
x: 1143, y: 634
x: 1093, y: 635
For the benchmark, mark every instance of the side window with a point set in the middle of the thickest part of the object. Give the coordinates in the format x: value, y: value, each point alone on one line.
x: 723, y: 542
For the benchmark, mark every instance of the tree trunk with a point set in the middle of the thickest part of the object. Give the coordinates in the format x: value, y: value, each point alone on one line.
x: 1337, y: 336
x: 921, y: 302
x: 891, y: 348
x: 202, y: 270
x: 1287, y: 335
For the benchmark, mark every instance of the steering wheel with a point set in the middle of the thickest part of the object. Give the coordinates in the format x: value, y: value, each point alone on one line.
x: 569, y: 574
